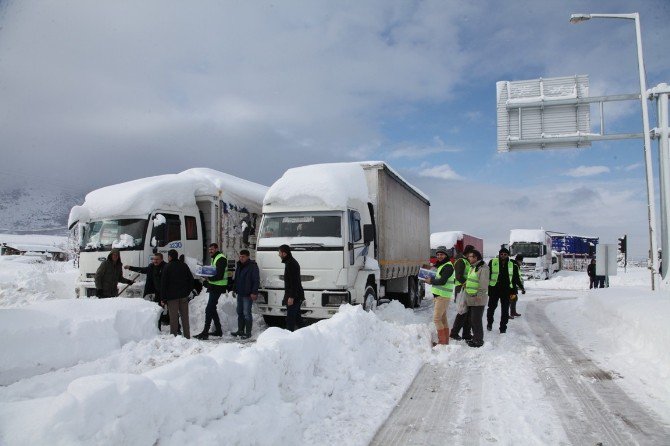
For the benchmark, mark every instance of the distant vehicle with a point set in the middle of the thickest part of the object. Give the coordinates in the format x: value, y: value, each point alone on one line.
x: 576, y: 250
x: 359, y: 231
x: 185, y: 212
x: 453, y: 239
x: 535, y: 246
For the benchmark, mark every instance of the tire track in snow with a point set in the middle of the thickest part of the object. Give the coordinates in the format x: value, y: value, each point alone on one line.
x: 426, y: 414
x: 591, y: 407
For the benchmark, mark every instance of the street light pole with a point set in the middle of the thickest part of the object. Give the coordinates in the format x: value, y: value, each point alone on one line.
x: 651, y: 200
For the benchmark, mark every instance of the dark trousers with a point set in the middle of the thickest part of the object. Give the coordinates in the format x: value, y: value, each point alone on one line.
x: 293, y: 317
x: 462, y: 321
x: 593, y: 283
x: 475, y: 315
x: 496, y: 295
x: 178, y: 308
x: 210, y: 311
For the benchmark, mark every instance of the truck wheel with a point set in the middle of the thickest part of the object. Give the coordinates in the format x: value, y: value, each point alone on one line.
x: 413, y: 293
x: 370, y: 299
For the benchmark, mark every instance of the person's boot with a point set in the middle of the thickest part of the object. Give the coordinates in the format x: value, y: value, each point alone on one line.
x: 217, y: 331
x: 515, y: 314
x: 247, y: 330
x: 204, y: 334
x: 240, y: 328
x: 443, y: 336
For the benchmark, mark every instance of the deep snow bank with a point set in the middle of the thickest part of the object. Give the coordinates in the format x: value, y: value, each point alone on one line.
x: 331, y: 382
x: 53, y: 334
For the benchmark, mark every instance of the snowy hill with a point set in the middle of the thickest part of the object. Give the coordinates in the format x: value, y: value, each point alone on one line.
x: 39, y: 208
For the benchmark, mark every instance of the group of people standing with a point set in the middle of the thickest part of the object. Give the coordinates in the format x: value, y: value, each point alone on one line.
x: 472, y: 283
x: 172, y: 285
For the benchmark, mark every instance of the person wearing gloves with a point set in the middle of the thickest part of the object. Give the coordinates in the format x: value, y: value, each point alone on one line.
x: 442, y: 287
x: 108, y: 276
x: 476, y: 296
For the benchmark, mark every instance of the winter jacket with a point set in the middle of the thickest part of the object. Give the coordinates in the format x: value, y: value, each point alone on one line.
x: 221, y: 271
x: 247, y: 278
x: 292, y: 283
x: 503, y: 284
x: 108, y: 276
x: 591, y: 270
x: 177, y: 281
x: 481, y: 298
x: 460, y: 271
x: 154, y: 273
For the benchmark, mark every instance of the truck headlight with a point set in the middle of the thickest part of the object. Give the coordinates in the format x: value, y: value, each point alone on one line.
x: 335, y: 299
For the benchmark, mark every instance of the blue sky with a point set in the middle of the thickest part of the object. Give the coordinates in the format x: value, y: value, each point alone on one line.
x: 99, y: 93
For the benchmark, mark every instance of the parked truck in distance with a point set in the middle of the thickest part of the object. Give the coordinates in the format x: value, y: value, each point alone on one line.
x: 576, y: 250
x: 359, y: 231
x: 185, y: 211
x: 539, y: 262
x: 453, y: 239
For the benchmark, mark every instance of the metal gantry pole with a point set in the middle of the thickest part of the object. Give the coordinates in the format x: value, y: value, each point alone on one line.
x: 662, y: 132
x: 651, y: 204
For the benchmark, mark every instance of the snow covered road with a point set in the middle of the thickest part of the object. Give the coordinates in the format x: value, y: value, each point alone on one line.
x: 528, y: 386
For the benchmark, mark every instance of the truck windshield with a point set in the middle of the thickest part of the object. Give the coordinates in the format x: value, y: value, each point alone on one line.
x: 526, y: 249
x: 302, y: 226
x: 127, y: 234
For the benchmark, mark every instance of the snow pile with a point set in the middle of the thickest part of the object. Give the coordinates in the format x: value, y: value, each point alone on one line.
x: 331, y: 382
x: 54, y: 334
x: 320, y: 185
x: 579, y: 280
x: 124, y: 241
x: 447, y: 239
x: 141, y: 196
x: 26, y: 279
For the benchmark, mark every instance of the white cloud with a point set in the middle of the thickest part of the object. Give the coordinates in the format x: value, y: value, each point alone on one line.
x: 443, y: 172
x: 633, y: 167
x: 586, y: 171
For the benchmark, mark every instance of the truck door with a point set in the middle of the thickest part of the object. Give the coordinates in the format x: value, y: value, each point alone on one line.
x: 168, y: 235
x: 355, y: 245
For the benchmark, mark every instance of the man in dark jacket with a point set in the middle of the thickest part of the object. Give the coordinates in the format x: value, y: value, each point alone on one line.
x: 293, y: 291
x: 216, y: 286
x: 245, y: 285
x: 591, y: 271
x: 109, y: 274
x: 504, y: 277
x: 154, y: 272
x: 176, y: 285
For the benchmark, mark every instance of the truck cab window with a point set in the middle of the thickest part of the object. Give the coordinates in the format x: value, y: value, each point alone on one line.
x: 191, y: 228
x: 168, y: 232
x: 354, y: 226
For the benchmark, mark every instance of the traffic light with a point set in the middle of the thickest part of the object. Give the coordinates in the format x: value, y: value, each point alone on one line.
x: 622, y: 245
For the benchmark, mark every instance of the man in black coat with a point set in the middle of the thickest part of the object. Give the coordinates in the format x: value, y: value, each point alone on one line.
x: 503, y: 279
x: 176, y: 285
x: 154, y: 272
x: 293, y: 291
x: 245, y: 284
x: 591, y: 271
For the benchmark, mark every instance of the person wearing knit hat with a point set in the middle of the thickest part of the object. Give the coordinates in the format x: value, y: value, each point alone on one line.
x: 503, y: 280
x: 442, y: 287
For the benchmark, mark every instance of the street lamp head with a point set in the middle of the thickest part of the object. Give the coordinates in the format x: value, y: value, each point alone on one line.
x: 576, y: 18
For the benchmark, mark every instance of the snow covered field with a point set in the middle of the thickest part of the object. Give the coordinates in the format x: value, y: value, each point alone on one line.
x: 99, y: 372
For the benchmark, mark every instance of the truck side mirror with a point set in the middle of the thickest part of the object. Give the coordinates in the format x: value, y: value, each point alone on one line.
x: 368, y: 234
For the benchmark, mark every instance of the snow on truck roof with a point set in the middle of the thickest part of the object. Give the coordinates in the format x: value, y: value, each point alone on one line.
x: 167, y: 191
x: 527, y: 235
x: 447, y: 239
x: 330, y: 185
